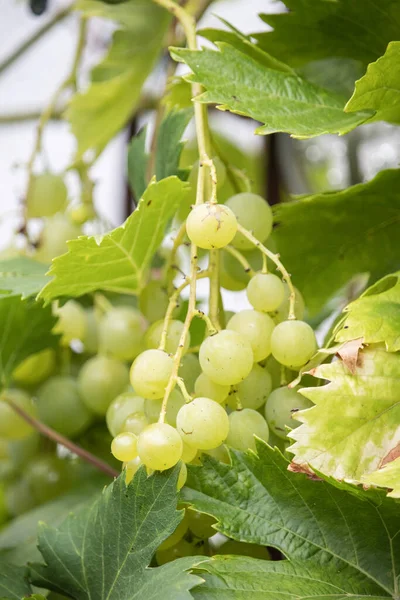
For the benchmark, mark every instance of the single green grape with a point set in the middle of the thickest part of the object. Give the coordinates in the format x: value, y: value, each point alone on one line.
x: 59, y: 406
x: 71, y: 324
x: 121, y: 333
x: 47, y: 196
x: 189, y: 370
x: 12, y: 426
x: 91, y: 337
x: 220, y: 453
x: 254, y: 214
x: 153, y: 408
x: 48, y: 477
x: 255, y: 389
x: 120, y: 408
x: 230, y: 283
x: 203, y: 423
x: 177, y: 535
x: 159, y: 446
x: 282, y: 312
x: 256, y: 327
x: 150, y: 373
x: 265, y: 292
x: 181, y: 549
x: 201, y: 524
x: 211, y: 226
x: 175, y: 328
x: 293, y: 343
x: 244, y: 549
x: 236, y: 270
x: 243, y: 426
x: 124, y: 446
x: 281, y: 405
x: 21, y: 451
x: 57, y: 230
x: 207, y: 388
x: 153, y: 301
x: 81, y: 213
x: 226, y: 357
x: 136, y: 422
x: 188, y: 453
x: 36, y: 368
x: 100, y: 381
x: 18, y: 496
x: 182, y: 476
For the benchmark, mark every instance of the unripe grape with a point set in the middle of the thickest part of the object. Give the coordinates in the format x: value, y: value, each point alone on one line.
x: 256, y: 327
x: 71, y: 324
x: 254, y: 214
x: 81, y: 213
x: 159, y: 446
x: 153, y: 407
x: 56, y: 232
x: 255, y: 389
x: 153, y: 301
x: 188, y: 453
x: 235, y: 269
x: 244, y: 549
x: 211, y: 226
x: 281, y: 405
x: 282, y: 312
x: 182, y: 477
x: 176, y: 535
x: 48, y: 477
x: 203, y: 423
x: 230, y: 283
x: 124, y: 446
x: 136, y: 422
x: 226, y: 357
x: 36, y: 368
x: 175, y: 328
x: 12, y: 426
x: 189, y: 370
x: 60, y: 407
x: 47, y: 196
x: 100, y: 380
x: 121, y: 333
x: 207, y: 388
x: 220, y: 453
x: 201, y: 524
x: 243, y: 426
x: 265, y: 292
x: 181, y: 549
x: 293, y: 343
x: 150, y: 373
x: 18, y: 497
x: 120, y: 408
x: 91, y: 337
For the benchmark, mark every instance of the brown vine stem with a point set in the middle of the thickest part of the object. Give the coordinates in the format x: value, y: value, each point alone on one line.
x: 60, y: 439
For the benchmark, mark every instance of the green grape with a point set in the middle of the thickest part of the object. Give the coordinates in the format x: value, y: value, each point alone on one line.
x: 71, y: 324
x: 243, y: 426
x: 188, y: 453
x: 175, y: 328
x: 59, y: 406
x: 153, y: 301
x: 47, y: 196
x: 203, y: 423
x: 121, y: 333
x: 182, y: 477
x: 220, y: 453
x: 280, y: 406
x: 244, y: 549
x: 57, y: 230
x: 21, y: 451
x: 100, y: 380
x: 12, y: 426
x: 18, y: 497
x: 236, y: 270
x: 255, y: 389
x: 181, y: 549
x: 48, y: 477
x: 91, y: 337
x: 211, y: 226
x: 82, y: 213
x: 152, y: 409
x: 201, y: 524
x: 189, y: 370
x: 159, y: 446
x: 120, y: 408
x: 265, y: 292
x: 136, y: 422
x: 207, y: 388
x: 230, y: 283
x: 124, y: 446
x: 131, y: 468
x: 293, y: 343
x: 36, y: 368
x: 254, y: 214
x: 282, y: 312
x: 150, y: 373
x: 226, y: 357
x: 256, y: 327
x: 177, y: 535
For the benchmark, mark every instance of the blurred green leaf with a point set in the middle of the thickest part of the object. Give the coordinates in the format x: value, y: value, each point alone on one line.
x: 13, y: 582
x: 138, y: 161
x: 22, y: 276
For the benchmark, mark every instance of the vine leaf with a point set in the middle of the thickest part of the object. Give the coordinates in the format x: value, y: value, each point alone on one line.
x: 341, y: 234
x: 355, y: 420
x: 388, y: 477
x: 22, y: 276
x: 375, y: 316
x: 169, y: 147
x: 103, y: 551
x: 282, y: 101
x: 118, y: 261
x: 313, y: 523
x: 138, y: 161
x: 13, y: 582
x: 379, y: 89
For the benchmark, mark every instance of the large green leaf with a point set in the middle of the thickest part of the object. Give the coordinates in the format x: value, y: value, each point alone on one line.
x: 118, y: 261
x: 316, y: 29
x: 326, y: 239
x: 379, y: 89
x: 169, y: 147
x: 281, y: 101
x: 103, y: 551
x: 354, y: 424
x: 388, y: 477
x: 26, y: 328
x: 13, y: 582
x: 375, y: 316
x: 258, y: 501
x: 99, y: 112
x: 22, y: 276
